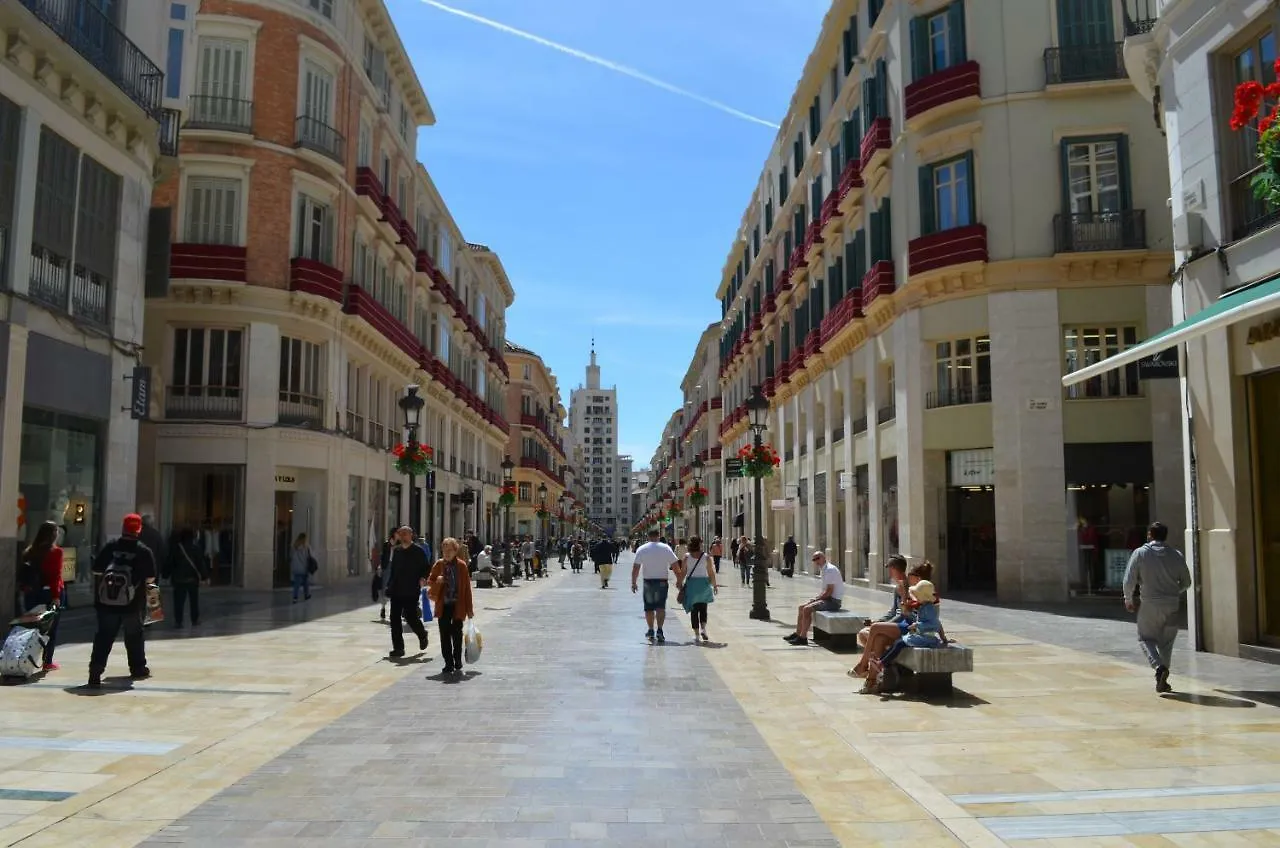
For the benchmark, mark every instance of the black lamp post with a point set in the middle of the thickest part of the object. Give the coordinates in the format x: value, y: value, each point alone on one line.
x: 507, y: 467
x: 674, y: 488
x: 698, y: 468
x: 411, y: 405
x: 758, y: 409
x: 542, y: 504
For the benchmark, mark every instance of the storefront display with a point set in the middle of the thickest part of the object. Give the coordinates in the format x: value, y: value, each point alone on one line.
x: 1108, y: 510
x: 208, y: 500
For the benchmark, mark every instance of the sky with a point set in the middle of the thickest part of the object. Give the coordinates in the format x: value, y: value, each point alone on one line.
x: 610, y: 175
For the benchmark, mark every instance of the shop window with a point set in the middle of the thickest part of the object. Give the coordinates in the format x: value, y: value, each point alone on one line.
x: 205, y: 377
x: 213, y: 210
x: 1084, y: 346
x: 946, y: 195
x: 962, y: 372
x: 58, y: 480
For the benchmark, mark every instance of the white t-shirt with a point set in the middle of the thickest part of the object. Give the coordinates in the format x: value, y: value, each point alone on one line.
x: 691, y: 566
x: 655, y: 560
x: 831, y: 577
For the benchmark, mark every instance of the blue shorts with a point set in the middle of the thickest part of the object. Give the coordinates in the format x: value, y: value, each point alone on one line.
x: 828, y: 605
x: 655, y: 595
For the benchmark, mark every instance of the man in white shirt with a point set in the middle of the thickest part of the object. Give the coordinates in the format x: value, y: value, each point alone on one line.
x: 828, y: 601
x: 655, y: 560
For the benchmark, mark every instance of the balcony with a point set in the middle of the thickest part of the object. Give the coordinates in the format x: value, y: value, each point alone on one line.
x: 876, y: 144
x: 847, y: 309
x: 167, y: 135
x: 955, y: 246
x: 957, y: 396
x: 424, y: 263
x: 89, y: 294
x: 831, y: 213
x: 78, y: 292
x: 885, y: 414
x: 299, y: 410
x: 361, y: 304
x: 812, y: 237
x: 1249, y: 214
x: 1139, y: 16
x: 813, y: 343
x: 224, y: 114
x: 942, y: 93
x: 1084, y: 63
x: 408, y: 237
x: 878, y: 281
x: 204, y: 403
x: 311, y: 277
x: 83, y: 26
x: 859, y: 426
x: 1085, y: 232
x: 321, y: 138
x: 368, y: 185
x: 227, y: 262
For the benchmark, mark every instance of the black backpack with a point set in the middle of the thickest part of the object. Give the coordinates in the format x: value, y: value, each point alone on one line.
x: 116, y: 588
x: 29, y: 575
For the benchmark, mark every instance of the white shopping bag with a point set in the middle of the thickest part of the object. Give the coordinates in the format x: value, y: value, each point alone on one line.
x: 473, y: 642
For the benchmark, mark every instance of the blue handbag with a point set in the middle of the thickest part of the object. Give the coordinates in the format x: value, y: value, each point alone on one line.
x: 426, y: 605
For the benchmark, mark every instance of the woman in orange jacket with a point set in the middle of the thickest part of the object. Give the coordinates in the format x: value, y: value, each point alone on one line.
x: 449, y: 588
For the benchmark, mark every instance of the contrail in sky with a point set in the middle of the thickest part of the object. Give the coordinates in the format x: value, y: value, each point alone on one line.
x: 604, y: 63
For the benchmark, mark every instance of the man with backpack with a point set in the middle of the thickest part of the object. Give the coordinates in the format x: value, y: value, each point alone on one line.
x: 122, y: 571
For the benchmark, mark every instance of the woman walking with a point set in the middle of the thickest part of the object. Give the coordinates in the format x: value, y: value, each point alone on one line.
x: 742, y: 556
x: 300, y: 567
x: 698, y: 582
x: 186, y: 570
x: 40, y: 581
x: 449, y: 588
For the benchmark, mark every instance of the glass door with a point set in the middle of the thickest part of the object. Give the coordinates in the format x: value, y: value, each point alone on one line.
x: 1264, y: 398
x: 284, y: 537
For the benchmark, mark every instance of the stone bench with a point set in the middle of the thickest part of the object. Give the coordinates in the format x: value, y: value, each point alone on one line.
x: 838, y: 629
x: 927, y: 671
x: 484, y: 579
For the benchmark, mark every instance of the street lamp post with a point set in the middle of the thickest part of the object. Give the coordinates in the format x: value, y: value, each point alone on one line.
x: 758, y: 408
x: 675, y: 499
x: 411, y: 405
x: 507, y: 467
x: 698, y: 468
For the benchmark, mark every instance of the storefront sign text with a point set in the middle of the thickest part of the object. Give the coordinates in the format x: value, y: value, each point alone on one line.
x: 1264, y: 332
x: 1159, y: 366
x: 140, y: 394
x: 973, y: 467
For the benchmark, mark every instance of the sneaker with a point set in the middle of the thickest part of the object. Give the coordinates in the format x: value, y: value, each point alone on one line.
x: 799, y: 640
x: 51, y: 666
x: 1162, y: 680
x: 705, y: 638
x: 661, y: 638
x: 791, y: 638
x: 423, y: 642
x: 95, y: 680
x: 648, y: 634
x: 395, y: 655
x: 140, y: 674
x: 446, y: 670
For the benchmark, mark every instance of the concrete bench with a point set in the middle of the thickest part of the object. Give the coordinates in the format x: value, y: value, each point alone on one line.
x: 927, y: 671
x: 484, y: 579
x: 838, y: 629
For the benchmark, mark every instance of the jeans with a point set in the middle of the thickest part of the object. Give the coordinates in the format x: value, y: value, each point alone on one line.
x: 34, y: 599
x: 182, y: 592
x: 450, y: 637
x: 303, y: 582
x: 405, y: 610
x: 110, y: 623
x: 745, y: 568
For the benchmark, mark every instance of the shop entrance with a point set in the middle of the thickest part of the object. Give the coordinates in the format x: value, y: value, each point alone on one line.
x: 206, y: 499
x: 284, y: 537
x: 971, y: 538
x: 1264, y: 397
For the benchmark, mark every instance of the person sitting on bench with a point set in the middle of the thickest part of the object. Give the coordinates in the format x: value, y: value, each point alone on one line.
x: 925, y: 632
x: 885, y: 634
x: 828, y: 601
x: 887, y: 625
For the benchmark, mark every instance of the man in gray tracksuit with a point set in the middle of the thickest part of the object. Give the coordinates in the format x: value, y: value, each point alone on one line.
x: 1154, y: 582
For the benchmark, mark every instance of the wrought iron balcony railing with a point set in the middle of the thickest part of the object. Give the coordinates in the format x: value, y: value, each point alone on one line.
x: 1084, y: 63
x: 204, y: 403
x: 168, y: 136
x: 323, y: 139
x: 958, y: 396
x: 300, y: 410
x: 93, y: 35
x: 219, y: 113
x: 1083, y: 232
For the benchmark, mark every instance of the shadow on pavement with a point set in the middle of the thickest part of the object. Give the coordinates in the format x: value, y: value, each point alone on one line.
x: 110, y: 686
x: 957, y: 700
x: 1208, y: 700
x: 454, y: 679
x: 1270, y: 698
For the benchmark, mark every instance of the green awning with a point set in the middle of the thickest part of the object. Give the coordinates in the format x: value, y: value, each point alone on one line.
x: 1238, y: 306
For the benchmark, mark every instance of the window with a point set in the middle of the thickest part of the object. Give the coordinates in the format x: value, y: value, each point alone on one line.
x: 173, y: 56
x: 314, y: 238
x: 1093, y: 176
x: 849, y: 43
x: 938, y: 41
x: 221, y: 76
x: 963, y: 370
x: 525, y: 491
x: 1084, y: 346
x: 364, y: 149
x: 300, y: 397
x: 528, y: 372
x: 206, y: 364
x: 404, y: 122
x: 317, y: 93
x: 212, y: 210
x: 324, y: 7
x: 1255, y: 62
x: 946, y: 195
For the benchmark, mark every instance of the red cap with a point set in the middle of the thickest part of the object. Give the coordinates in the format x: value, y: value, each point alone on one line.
x: 132, y: 524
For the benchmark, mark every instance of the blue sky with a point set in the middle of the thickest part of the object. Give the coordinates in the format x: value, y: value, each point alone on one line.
x: 611, y: 202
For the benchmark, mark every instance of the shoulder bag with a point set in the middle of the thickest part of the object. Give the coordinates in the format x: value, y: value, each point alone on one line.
x: 683, y: 592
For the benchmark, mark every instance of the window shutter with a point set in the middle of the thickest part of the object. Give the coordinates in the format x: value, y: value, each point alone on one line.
x: 847, y: 43
x: 157, y: 270
x: 851, y: 265
x: 860, y: 256
x: 1064, y: 175
x: 882, y: 88
x: 956, y: 33
x: 835, y: 278
x: 928, y: 215
x: 919, y: 48
x: 768, y: 276
x: 1122, y: 161
x: 818, y: 304
x: 868, y: 103
x: 973, y: 187
x: 886, y: 231
x: 853, y: 39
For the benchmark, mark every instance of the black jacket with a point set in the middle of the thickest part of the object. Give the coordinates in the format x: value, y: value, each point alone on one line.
x: 602, y: 552
x: 186, y: 565
x: 789, y: 550
x: 409, y: 566
x: 144, y: 569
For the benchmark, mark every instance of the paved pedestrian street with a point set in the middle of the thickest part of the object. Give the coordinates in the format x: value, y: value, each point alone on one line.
x: 280, y: 724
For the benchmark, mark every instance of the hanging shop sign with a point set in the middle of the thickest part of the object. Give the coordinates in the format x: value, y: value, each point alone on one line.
x: 1159, y: 366
x: 782, y: 504
x: 973, y: 467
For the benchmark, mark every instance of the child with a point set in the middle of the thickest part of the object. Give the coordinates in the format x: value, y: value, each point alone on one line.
x: 924, y: 632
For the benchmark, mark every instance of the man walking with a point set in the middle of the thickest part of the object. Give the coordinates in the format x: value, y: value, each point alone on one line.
x: 526, y: 553
x: 789, y: 551
x: 602, y: 556
x: 655, y: 561
x: 829, y: 601
x: 122, y: 570
x: 409, y: 570
x: 1154, y: 582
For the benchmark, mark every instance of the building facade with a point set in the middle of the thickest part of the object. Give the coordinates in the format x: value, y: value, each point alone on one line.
x: 81, y: 141
x: 593, y: 420
x: 315, y: 274
x: 953, y: 216
x: 700, y: 436
x: 1226, y: 299
x: 537, y: 448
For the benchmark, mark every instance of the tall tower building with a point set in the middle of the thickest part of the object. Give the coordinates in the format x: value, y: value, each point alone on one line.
x: 593, y: 421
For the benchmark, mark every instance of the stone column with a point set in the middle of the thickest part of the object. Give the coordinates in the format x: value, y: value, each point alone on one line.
x: 829, y: 413
x: 875, y: 518
x: 808, y: 544
x: 259, y: 509
x: 1031, y: 528
x: 910, y: 372
x: 848, y: 377
x: 262, y: 385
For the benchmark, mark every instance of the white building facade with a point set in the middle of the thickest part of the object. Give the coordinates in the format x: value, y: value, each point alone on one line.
x: 80, y: 143
x: 593, y: 421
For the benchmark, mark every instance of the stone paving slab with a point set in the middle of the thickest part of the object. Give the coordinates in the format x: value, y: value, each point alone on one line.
x: 572, y: 730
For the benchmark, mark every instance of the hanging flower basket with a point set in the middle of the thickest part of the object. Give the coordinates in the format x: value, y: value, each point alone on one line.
x: 542, y: 512
x: 697, y: 496
x: 759, y: 461
x: 1250, y: 98
x: 675, y: 510
x: 416, y: 462
x: 507, y: 494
